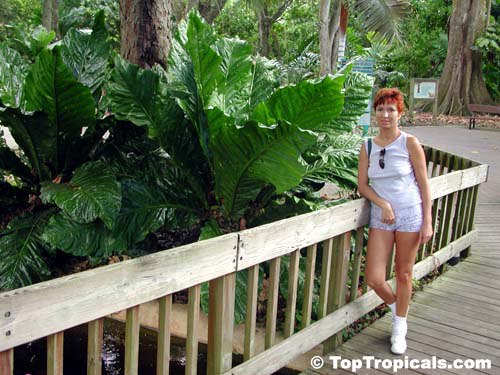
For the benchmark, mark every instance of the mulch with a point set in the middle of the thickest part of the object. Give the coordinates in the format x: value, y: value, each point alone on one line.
x: 425, y: 119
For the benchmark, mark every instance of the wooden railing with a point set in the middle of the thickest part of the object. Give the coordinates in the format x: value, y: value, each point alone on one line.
x: 332, y: 239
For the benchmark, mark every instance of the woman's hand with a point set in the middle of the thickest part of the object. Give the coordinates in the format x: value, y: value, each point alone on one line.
x: 388, y: 216
x: 425, y: 233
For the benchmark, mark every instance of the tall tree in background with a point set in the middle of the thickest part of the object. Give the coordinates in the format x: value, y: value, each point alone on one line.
x: 50, y: 15
x: 380, y: 16
x: 268, y: 12
x: 209, y: 9
x: 462, y: 82
x: 145, y: 31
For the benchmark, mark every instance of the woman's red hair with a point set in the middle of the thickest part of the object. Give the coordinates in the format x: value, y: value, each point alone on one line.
x: 389, y: 96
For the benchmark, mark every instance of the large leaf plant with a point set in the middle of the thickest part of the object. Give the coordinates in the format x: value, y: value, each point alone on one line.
x: 213, y: 141
x: 236, y: 139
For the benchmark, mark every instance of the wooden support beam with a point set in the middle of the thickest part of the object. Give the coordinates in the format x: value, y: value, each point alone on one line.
x: 220, y: 324
x: 163, y: 347
x: 251, y: 318
x: 55, y: 346
x: 7, y: 362
x: 94, y: 347
x: 291, y: 300
x: 132, y: 330
x: 192, y: 330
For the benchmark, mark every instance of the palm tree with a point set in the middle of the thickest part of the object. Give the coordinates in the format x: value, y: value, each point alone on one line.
x: 380, y: 16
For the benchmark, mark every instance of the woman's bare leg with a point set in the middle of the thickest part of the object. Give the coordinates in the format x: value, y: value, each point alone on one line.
x: 406, y: 251
x: 380, y: 244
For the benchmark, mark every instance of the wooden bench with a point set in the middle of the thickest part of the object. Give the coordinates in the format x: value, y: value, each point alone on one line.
x: 475, y: 109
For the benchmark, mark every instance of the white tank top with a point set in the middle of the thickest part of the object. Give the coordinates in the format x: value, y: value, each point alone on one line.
x: 396, y: 183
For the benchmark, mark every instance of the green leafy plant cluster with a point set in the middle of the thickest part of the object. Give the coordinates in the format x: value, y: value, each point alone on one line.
x: 109, y: 153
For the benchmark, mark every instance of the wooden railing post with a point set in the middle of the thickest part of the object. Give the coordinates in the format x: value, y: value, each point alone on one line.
x: 7, y: 362
x: 220, y: 324
x: 94, y: 347
x: 251, y: 318
x: 163, y: 347
x: 308, y: 285
x: 338, y: 284
x: 326, y: 264
x: 192, y: 330
x: 55, y: 344
x: 356, y: 263
x: 272, y: 301
x: 132, y: 330
x: 291, y: 301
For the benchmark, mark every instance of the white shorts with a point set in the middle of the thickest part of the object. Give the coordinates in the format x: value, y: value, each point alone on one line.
x: 408, y: 219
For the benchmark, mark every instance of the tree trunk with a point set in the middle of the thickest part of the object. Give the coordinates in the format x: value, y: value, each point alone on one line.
x: 461, y: 82
x: 329, y: 35
x: 47, y: 14
x: 145, y: 29
x: 266, y: 22
x: 55, y: 18
x: 209, y: 9
x: 264, y: 32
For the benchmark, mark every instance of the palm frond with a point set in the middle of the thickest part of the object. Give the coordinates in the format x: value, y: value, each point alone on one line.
x: 382, y: 16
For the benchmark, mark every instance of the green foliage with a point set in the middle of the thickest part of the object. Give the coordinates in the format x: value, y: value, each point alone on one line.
x: 21, y: 249
x: 93, y: 192
x: 423, y: 51
x: 87, y: 55
x: 213, y: 140
x: 489, y: 44
x: 81, y: 14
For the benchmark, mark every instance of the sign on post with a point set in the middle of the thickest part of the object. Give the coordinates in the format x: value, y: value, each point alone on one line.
x: 424, y: 89
x: 366, y: 66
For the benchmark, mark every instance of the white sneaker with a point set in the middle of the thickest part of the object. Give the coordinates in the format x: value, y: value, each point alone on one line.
x: 398, y: 344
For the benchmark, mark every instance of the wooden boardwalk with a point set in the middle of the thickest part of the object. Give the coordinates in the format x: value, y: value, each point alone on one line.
x: 458, y: 315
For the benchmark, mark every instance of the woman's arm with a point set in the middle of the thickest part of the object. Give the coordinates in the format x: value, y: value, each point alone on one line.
x: 417, y: 158
x: 366, y: 191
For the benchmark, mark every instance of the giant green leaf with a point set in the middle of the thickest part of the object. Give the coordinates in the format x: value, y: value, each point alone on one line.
x: 146, y: 208
x: 206, y: 62
x: 232, y: 93
x: 87, y: 54
x: 262, y: 84
x: 21, y: 246
x: 357, y: 91
x: 92, y: 193
x: 140, y: 96
x: 50, y: 87
x: 246, y: 158
x: 13, y: 70
x: 194, y: 72
x: 136, y: 96
x: 308, y: 104
x: 91, y: 239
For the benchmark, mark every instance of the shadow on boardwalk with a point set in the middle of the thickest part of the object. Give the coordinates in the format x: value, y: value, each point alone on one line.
x: 457, y: 317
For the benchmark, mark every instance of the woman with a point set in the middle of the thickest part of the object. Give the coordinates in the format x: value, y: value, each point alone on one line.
x: 393, y: 176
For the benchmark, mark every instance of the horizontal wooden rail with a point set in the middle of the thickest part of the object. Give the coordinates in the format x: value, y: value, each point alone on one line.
x: 76, y: 299
x: 283, y: 353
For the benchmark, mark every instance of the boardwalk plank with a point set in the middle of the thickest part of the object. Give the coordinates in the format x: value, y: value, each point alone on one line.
x: 459, y: 300
x: 445, y: 341
x: 427, y: 350
x: 455, y: 319
x: 375, y: 343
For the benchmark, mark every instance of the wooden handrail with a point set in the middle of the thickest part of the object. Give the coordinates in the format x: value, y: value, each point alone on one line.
x: 91, y: 295
x: 80, y: 298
